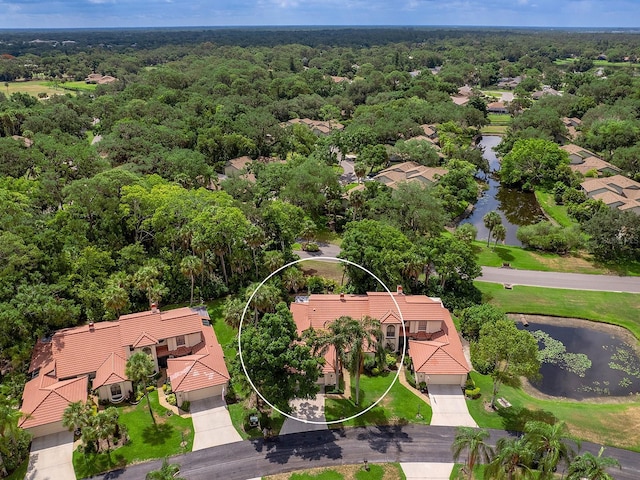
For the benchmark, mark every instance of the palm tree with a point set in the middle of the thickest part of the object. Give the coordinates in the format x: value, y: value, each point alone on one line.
x: 360, y: 170
x: 473, y: 441
x: 293, y: 279
x: 255, y: 238
x: 105, y: 425
x: 75, y: 416
x: 499, y: 233
x: 308, y: 231
x: 491, y: 220
x: 273, y: 260
x: 265, y: 299
x: 512, y: 460
x: 168, y: 471
x: 9, y: 417
x: 190, y: 266
x: 335, y: 336
x: 145, y: 279
x: 547, y: 440
x: 115, y: 299
x: 591, y: 467
x: 232, y: 311
x: 139, y: 368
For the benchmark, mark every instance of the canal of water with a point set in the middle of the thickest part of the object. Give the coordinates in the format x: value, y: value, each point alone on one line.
x: 515, y: 207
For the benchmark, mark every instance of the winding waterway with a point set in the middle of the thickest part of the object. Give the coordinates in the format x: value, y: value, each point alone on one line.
x: 515, y: 207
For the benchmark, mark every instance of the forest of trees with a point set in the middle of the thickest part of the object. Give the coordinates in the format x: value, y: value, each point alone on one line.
x: 112, y: 198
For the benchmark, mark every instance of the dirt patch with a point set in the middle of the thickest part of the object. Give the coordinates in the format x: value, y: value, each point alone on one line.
x: 348, y: 472
x: 569, y: 263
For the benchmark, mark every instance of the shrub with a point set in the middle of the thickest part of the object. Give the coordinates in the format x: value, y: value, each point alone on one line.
x: 391, y: 361
x: 171, y: 399
x: 375, y: 371
x: 369, y: 363
x: 151, y: 388
x: 311, y: 247
x: 186, y: 405
x: 410, y: 378
x: 472, y: 392
x: 422, y: 386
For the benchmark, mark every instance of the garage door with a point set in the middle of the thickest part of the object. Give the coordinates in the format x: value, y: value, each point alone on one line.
x: 205, y: 393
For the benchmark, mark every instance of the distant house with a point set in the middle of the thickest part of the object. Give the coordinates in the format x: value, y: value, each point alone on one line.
x: 462, y: 97
x: 318, y: 127
x: 429, y: 333
x: 572, y: 125
x: 240, y: 166
x: 616, y: 192
x: 409, y: 172
x: 497, y: 107
x: 509, y: 82
x: 99, y: 79
x: 74, y: 361
x: 546, y: 90
x: 582, y: 161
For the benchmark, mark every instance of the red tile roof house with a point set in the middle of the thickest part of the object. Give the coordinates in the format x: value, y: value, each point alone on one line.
x: 75, y: 361
x: 431, y: 338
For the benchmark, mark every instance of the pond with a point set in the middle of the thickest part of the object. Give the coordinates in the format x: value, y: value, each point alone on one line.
x: 615, y: 365
x: 515, y: 207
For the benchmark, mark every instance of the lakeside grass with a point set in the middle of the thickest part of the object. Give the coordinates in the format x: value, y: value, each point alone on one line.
x: 557, y: 212
x: 398, y: 407
x: 171, y: 435
x: 612, y: 424
x: 608, y: 307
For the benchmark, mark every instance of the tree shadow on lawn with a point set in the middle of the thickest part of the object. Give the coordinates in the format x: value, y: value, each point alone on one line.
x: 157, y: 434
x: 504, y: 254
x: 93, y: 463
x: 514, y: 419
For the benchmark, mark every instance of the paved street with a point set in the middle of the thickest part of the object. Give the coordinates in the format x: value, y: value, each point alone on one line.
x: 412, y: 443
x: 573, y: 281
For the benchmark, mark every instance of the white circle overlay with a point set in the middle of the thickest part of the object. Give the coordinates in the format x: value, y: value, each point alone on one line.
x: 304, y: 420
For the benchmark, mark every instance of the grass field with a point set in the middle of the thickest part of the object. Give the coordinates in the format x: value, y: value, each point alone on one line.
x: 494, y: 130
x: 46, y: 87
x: 331, y: 270
x: 608, y: 307
x: 398, y: 407
x: 499, y: 118
x: 614, y: 424
x: 557, y: 212
x: 382, y: 471
x: 170, y: 436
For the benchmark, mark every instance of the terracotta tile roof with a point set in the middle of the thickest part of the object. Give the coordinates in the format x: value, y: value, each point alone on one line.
x: 202, y: 370
x: 145, y: 340
x: 45, y: 404
x: 161, y: 325
x: 434, y: 358
x: 42, y: 354
x: 111, y: 371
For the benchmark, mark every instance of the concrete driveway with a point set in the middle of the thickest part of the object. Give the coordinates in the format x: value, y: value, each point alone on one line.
x: 427, y: 471
x: 212, y: 424
x: 51, y: 458
x: 449, y: 406
x: 312, y: 410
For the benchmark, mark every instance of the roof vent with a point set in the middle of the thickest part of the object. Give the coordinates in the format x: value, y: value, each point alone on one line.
x: 91, y: 326
x: 342, y: 296
x: 399, y: 290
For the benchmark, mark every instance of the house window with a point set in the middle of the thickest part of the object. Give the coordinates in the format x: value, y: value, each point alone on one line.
x: 422, y: 326
x: 180, y: 340
x: 116, y: 390
x: 391, y: 331
x: 147, y: 350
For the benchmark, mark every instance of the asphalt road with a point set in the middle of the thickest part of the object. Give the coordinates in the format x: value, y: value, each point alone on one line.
x: 572, y: 281
x: 412, y: 443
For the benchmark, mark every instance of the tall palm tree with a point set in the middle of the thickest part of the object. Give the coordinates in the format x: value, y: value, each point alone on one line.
x: 115, y: 299
x: 139, y: 368
x: 361, y: 335
x: 334, y: 337
x: 145, y: 279
x: 232, y: 311
x: 190, y: 266
x: 9, y: 417
x: 273, y: 260
x: 293, y: 279
x: 473, y: 441
x: 591, y: 467
x: 491, y: 220
x: 499, y: 233
x: 75, y: 416
x: 512, y: 460
x: 168, y: 471
x: 255, y: 238
x: 549, y: 443
x: 265, y: 299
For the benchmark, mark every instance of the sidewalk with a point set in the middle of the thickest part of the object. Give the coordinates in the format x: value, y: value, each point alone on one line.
x: 427, y: 471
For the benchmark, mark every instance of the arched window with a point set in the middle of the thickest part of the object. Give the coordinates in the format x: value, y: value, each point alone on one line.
x: 391, y: 331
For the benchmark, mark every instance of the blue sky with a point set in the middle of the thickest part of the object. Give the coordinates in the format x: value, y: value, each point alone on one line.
x: 158, y: 13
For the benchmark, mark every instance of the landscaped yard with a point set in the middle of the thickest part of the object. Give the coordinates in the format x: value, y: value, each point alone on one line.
x: 383, y: 471
x: 239, y: 413
x: 557, y: 212
x: 612, y: 424
x: 170, y: 436
x: 609, y: 307
x: 399, y: 406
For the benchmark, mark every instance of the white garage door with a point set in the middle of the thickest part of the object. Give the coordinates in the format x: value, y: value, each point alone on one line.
x: 205, y: 393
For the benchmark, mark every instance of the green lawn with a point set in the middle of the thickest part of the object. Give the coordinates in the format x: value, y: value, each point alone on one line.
x: 499, y: 118
x: 603, y: 423
x: 227, y: 336
x: 400, y: 406
x: 147, y: 440
x: 77, y: 86
x: 608, y: 307
x: 381, y: 471
x: 556, y: 212
x: 239, y: 413
x: 494, y: 130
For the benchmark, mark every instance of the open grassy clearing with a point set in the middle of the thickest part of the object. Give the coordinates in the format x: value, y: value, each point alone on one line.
x: 171, y: 435
x: 33, y: 88
x: 615, y: 424
x: 557, y: 212
x: 608, y: 307
x: 494, y: 130
x: 382, y: 471
x: 398, y: 407
x: 330, y: 270
x: 499, y: 118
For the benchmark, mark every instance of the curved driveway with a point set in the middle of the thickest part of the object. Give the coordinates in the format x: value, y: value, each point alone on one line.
x: 571, y: 281
x: 412, y: 443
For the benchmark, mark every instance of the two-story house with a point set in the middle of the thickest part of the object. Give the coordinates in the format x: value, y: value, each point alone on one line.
x: 74, y: 362
x: 429, y: 334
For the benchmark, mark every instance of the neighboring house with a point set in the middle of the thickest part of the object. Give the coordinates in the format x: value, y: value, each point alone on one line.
x: 99, y: 79
x: 582, y: 160
x: 616, y: 192
x: 497, y: 107
x: 409, y: 172
x: 430, y: 336
x: 318, y: 127
x: 463, y: 95
x: 546, y: 90
x: 509, y: 82
x: 572, y: 125
x: 92, y: 358
x: 237, y: 166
